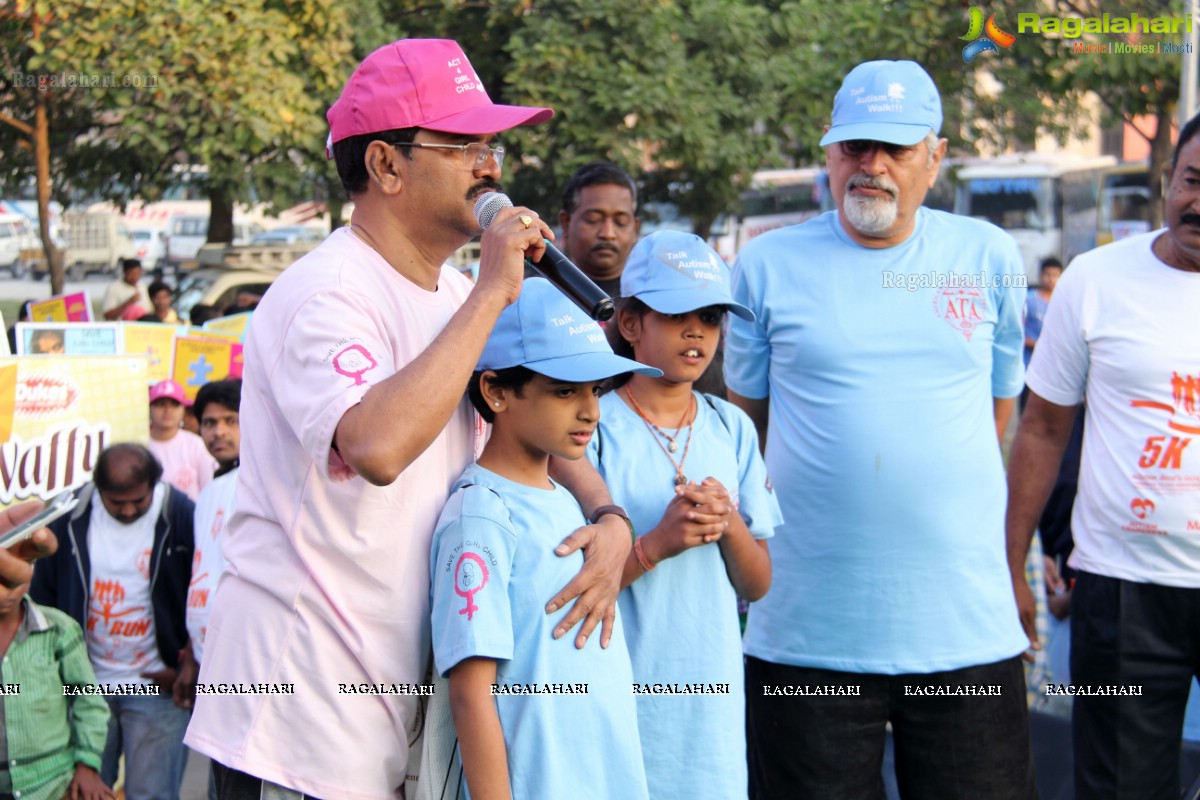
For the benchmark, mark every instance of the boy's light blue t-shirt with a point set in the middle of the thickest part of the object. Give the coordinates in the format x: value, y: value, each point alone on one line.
x: 881, y: 377
x: 681, y: 619
x: 493, y: 570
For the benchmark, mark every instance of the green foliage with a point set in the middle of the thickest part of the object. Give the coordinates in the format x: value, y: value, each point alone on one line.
x: 691, y: 96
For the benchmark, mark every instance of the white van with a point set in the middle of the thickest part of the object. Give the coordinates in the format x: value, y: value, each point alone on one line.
x: 19, y: 244
x: 187, y: 233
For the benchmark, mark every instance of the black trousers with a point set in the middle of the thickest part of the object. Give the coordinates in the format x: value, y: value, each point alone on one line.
x: 1131, y: 636
x: 830, y: 746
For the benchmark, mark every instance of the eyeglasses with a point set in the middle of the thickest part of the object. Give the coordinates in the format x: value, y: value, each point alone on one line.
x: 857, y: 148
x: 475, y: 154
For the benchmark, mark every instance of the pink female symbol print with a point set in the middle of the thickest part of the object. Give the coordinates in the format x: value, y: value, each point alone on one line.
x: 470, y: 576
x: 353, y: 362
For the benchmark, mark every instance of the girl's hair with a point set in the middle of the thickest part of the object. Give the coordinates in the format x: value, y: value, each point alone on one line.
x: 625, y: 305
x: 634, y: 306
x: 512, y: 378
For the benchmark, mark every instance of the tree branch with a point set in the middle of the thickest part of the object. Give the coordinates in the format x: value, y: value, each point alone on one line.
x: 16, y: 123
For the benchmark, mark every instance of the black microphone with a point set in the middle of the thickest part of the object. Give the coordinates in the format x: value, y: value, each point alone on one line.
x: 554, y: 266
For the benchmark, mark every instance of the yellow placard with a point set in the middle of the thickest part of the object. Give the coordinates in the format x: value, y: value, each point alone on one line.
x: 52, y: 310
x: 157, y: 342
x: 8, y: 394
x: 234, y: 325
x: 199, y: 361
x: 66, y: 410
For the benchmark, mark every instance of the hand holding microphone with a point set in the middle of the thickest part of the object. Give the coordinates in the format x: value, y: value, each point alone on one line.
x: 554, y: 266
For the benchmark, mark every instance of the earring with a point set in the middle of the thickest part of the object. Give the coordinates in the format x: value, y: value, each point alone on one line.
x: 497, y: 404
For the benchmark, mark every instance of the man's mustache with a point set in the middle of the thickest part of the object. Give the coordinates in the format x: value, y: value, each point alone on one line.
x: 1190, y: 219
x: 486, y: 185
x: 867, y: 182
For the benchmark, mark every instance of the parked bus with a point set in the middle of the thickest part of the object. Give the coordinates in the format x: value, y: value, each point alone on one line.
x: 1049, y: 202
x: 776, y: 198
x: 1126, y: 201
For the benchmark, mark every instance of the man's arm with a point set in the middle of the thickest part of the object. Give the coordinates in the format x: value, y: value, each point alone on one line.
x: 605, y: 546
x: 400, y: 417
x: 1002, y: 409
x: 759, y: 413
x: 1033, y: 466
x: 480, y: 737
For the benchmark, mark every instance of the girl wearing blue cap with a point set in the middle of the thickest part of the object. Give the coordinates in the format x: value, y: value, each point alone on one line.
x: 686, y: 466
x: 520, y: 698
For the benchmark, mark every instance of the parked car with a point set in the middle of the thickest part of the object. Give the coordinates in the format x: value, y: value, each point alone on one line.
x: 291, y: 234
x: 19, y: 244
x: 151, y: 245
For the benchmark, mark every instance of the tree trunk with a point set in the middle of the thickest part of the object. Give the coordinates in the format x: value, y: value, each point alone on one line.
x: 1160, y: 160
x: 41, y: 155
x: 220, y: 215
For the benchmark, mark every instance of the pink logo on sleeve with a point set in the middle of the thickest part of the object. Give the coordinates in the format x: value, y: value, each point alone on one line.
x: 353, y: 362
x: 470, y: 576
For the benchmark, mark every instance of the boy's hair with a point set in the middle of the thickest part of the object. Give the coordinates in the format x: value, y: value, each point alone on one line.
x: 511, y: 378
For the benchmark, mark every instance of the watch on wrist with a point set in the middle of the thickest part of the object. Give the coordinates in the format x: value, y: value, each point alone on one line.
x: 611, y: 509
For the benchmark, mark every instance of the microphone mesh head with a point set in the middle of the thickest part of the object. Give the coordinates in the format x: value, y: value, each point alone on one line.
x: 488, y: 206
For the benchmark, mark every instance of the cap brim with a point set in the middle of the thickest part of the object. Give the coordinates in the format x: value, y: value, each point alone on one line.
x: 682, y: 302
x: 489, y: 119
x: 890, y: 132
x: 586, y: 367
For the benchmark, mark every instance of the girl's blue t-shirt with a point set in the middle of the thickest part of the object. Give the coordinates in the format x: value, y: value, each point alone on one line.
x: 681, y: 619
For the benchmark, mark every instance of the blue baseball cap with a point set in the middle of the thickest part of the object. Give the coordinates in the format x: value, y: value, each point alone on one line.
x: 675, y: 272
x: 885, y: 101
x: 547, y: 333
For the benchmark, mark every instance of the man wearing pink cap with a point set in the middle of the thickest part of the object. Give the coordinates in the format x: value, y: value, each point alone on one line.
x: 357, y: 426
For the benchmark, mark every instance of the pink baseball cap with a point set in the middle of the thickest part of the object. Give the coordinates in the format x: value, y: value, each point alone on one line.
x: 421, y: 83
x: 169, y: 389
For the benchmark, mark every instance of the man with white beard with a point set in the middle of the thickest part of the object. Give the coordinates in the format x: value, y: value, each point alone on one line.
x: 885, y: 356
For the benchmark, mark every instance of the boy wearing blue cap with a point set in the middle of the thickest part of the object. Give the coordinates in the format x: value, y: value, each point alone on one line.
x: 671, y: 455
x: 515, y: 691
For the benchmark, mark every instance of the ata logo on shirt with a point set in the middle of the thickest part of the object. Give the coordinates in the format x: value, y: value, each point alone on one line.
x: 470, y: 576
x: 961, y: 308
x: 143, y: 563
x: 353, y: 362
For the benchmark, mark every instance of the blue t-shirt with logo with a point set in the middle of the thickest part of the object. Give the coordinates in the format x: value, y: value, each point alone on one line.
x: 681, y: 619
x: 881, y: 366
x: 569, y: 716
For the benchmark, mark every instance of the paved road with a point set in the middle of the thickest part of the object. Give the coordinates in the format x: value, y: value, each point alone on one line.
x: 13, y: 289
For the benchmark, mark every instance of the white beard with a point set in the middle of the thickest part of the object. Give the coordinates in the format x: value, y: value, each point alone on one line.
x: 872, y: 216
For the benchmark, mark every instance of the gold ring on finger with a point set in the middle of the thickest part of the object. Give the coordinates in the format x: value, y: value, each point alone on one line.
x: 526, y: 220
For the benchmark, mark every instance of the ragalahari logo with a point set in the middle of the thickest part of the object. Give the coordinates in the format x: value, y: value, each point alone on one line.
x: 984, y: 37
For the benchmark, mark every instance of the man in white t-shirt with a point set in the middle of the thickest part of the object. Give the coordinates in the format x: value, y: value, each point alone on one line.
x: 126, y: 296
x: 1122, y: 335
x: 122, y: 573
x: 217, y: 406
x: 356, y: 366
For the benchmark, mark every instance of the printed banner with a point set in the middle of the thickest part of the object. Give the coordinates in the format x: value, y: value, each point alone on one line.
x: 157, y: 342
x: 71, y: 338
x: 60, y: 413
x: 234, y: 324
x: 199, y: 361
x: 73, y: 307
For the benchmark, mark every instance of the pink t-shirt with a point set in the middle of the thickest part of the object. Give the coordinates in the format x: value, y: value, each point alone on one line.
x: 328, y: 577
x: 187, y: 464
